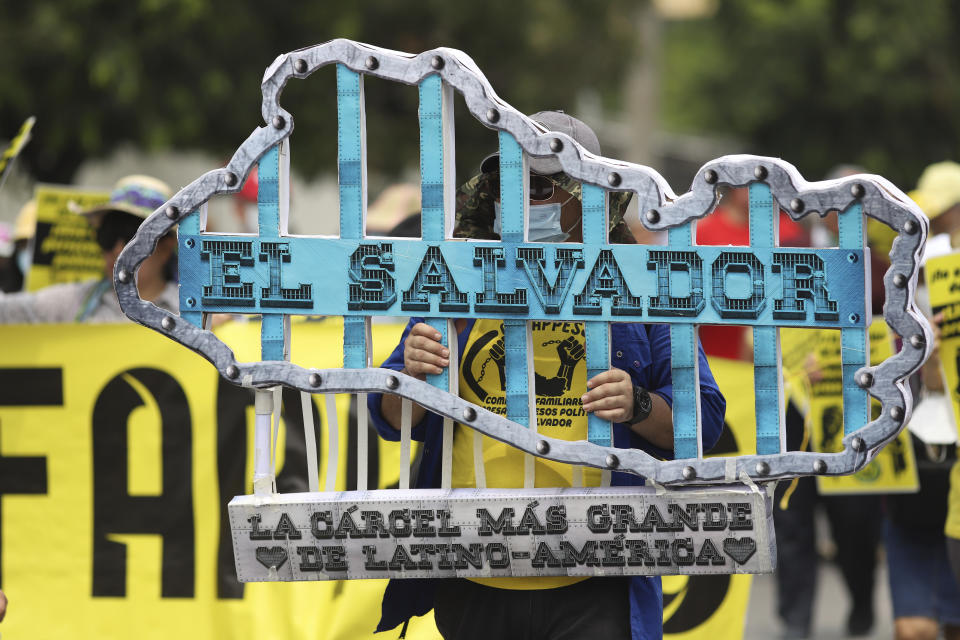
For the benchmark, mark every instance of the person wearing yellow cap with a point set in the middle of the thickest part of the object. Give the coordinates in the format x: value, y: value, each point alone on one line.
x: 133, y: 199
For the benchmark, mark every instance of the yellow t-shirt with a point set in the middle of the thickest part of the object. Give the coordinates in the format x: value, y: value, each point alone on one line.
x: 561, y: 377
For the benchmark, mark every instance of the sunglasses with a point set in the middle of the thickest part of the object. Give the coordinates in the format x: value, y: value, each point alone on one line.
x: 540, y: 188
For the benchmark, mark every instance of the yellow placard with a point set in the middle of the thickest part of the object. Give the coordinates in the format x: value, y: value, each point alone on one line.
x: 65, y: 247
x: 943, y: 282
x: 715, y: 607
x: 894, y: 470
x: 113, y: 497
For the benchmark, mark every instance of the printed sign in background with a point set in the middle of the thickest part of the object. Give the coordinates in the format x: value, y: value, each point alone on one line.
x: 894, y: 469
x: 120, y: 450
x: 65, y: 247
x: 943, y: 282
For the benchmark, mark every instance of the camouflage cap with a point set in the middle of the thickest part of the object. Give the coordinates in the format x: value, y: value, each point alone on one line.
x: 476, y: 211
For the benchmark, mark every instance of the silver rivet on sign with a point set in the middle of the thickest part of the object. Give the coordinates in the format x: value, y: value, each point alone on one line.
x: 820, y: 466
x: 437, y: 62
x: 796, y: 205
x: 865, y: 380
x: 653, y: 216
x: 857, y: 444
x: 543, y: 447
x: 852, y: 258
x: 189, y: 243
x: 314, y: 379
x: 763, y: 468
x: 469, y: 414
x: 123, y: 276
x: 172, y: 212
x: 232, y: 371
x: 231, y: 179
x: 167, y: 323
x: 760, y: 172
x: 300, y: 66
x: 393, y: 382
x: 710, y: 176
x: 556, y: 145
x: 493, y: 115
x: 917, y: 341
x: 371, y: 63
x: 190, y: 302
x: 689, y: 473
x: 612, y: 461
x: 279, y: 122
x: 857, y: 190
x: 897, y: 414
x: 899, y: 280
x: 910, y: 226
x: 613, y: 179
x: 854, y: 318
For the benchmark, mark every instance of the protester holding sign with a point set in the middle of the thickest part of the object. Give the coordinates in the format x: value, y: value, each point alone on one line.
x: 131, y: 201
x: 636, y: 394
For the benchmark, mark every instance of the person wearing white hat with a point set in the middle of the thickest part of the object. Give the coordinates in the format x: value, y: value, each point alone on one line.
x: 132, y: 200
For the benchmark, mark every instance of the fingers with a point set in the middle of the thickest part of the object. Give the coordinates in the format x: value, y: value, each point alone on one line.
x: 613, y: 375
x: 422, y: 351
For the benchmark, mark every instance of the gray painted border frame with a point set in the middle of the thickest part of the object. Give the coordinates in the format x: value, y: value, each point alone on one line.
x: 664, y: 209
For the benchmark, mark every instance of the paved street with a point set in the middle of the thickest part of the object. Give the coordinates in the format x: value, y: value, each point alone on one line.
x: 830, y: 610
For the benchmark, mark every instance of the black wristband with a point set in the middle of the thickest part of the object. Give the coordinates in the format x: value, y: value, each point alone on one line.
x: 642, y: 405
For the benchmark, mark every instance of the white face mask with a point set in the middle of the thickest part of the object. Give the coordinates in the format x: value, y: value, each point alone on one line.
x: 544, y: 223
x: 23, y: 261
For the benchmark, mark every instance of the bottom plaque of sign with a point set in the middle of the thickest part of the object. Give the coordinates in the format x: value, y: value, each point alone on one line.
x: 502, y: 532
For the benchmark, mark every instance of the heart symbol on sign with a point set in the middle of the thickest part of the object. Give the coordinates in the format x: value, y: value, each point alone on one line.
x: 271, y: 557
x: 740, y: 550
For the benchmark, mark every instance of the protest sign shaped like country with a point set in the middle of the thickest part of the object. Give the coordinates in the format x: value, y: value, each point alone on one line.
x: 943, y: 281
x: 64, y: 247
x: 817, y: 357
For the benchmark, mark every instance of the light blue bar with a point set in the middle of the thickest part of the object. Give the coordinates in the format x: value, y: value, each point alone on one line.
x: 512, y: 188
x: 598, y: 360
x: 350, y: 175
x: 431, y: 158
x: 431, y: 189
x: 440, y: 380
x: 350, y: 152
x: 515, y: 366
x: 268, y: 193
x: 766, y: 372
x: 189, y: 226
x: 855, y: 347
x: 683, y: 364
x: 683, y: 367
x: 594, y: 214
x: 272, y: 339
x: 856, y: 401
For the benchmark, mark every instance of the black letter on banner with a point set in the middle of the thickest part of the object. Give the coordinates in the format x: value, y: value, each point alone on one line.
x: 804, y: 277
x: 434, y: 277
x: 739, y: 307
x: 371, y: 285
x: 607, y: 281
x: 232, y: 404
x: 28, y: 387
x: 169, y: 514
x: 491, y: 259
x: 666, y: 263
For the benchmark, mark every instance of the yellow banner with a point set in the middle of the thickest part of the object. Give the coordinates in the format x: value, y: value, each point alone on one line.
x: 65, y: 247
x: 894, y: 469
x: 120, y: 450
x: 943, y: 282
x: 715, y: 607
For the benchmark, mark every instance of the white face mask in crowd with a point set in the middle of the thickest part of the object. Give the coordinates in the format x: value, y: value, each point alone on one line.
x: 544, y: 225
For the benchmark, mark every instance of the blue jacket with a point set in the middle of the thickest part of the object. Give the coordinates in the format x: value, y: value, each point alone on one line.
x: 644, y: 352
